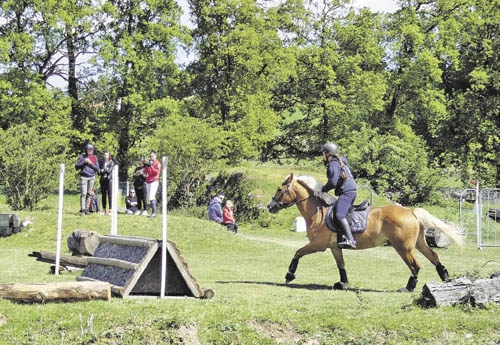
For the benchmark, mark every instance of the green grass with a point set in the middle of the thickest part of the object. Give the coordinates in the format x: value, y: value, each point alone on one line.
x: 252, y: 304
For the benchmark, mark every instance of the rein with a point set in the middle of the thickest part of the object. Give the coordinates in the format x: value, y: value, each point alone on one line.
x: 290, y: 204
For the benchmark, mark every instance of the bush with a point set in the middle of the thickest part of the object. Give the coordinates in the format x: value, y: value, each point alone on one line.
x: 396, y: 165
x: 29, y: 165
x: 236, y: 187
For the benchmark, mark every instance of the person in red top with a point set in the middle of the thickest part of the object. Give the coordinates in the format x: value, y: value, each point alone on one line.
x: 88, y: 166
x: 228, y: 217
x: 152, y: 170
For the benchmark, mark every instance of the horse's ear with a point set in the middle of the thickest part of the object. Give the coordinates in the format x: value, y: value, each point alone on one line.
x: 290, y: 178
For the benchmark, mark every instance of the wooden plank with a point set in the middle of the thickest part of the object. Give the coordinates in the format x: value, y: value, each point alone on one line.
x: 55, y: 292
x: 65, y: 260
x: 140, y: 269
x: 128, y: 241
x: 112, y: 262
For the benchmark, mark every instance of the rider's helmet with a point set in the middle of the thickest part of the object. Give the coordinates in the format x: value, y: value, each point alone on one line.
x: 330, y: 148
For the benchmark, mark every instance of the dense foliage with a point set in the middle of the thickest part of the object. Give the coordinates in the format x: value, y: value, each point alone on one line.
x: 407, y: 94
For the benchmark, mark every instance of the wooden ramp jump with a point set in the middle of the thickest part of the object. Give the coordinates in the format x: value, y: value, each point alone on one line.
x: 132, y: 266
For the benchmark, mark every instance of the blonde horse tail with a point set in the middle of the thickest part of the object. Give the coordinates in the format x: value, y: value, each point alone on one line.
x: 427, y: 220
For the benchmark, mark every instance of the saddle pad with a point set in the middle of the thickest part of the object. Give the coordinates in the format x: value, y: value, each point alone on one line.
x: 357, y: 221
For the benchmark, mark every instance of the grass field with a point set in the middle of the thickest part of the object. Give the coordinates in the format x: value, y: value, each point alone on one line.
x: 252, y: 304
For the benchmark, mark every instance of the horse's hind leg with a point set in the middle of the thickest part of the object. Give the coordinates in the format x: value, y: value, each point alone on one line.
x: 432, y: 256
x: 408, y: 257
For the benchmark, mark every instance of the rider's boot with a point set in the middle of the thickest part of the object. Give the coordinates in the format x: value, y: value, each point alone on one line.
x: 349, y: 242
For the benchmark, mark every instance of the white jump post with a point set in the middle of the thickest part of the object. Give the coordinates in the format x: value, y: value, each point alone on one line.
x: 59, y: 217
x: 114, y: 198
x: 164, y: 229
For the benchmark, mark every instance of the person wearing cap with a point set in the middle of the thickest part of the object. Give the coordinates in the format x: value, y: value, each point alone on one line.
x: 88, y: 166
x: 228, y: 218
x: 340, y: 178
x: 215, y: 208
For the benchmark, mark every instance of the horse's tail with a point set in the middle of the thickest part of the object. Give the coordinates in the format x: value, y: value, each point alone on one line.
x: 427, y: 220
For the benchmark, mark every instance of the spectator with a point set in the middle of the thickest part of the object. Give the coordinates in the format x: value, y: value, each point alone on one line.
x: 152, y: 170
x: 87, y: 164
x: 93, y: 205
x: 228, y: 217
x: 215, y: 208
x: 106, y: 181
x: 131, y: 203
x: 139, y: 182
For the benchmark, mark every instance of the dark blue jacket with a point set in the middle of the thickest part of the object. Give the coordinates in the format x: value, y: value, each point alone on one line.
x: 335, y: 180
x: 87, y: 170
x: 215, y: 211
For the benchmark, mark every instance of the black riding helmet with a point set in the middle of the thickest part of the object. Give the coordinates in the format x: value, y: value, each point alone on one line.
x: 330, y: 148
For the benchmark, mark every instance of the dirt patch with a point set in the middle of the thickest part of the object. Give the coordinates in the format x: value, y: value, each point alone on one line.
x: 188, y: 334
x: 282, y: 334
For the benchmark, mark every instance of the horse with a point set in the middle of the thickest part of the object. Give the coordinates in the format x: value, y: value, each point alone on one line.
x: 401, y: 227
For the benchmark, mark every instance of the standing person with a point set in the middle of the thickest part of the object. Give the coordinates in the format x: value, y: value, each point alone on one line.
x: 139, y: 183
x: 152, y: 170
x: 215, y: 208
x: 340, y: 178
x: 131, y: 203
x: 106, y: 181
x: 88, y: 166
x: 228, y: 217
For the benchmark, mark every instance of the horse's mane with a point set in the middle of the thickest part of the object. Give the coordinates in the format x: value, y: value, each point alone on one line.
x: 309, y: 182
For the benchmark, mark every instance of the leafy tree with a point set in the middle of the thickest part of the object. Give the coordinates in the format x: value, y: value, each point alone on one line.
x: 240, y: 58
x: 192, y: 147
x: 136, y: 59
x: 340, y: 79
x: 394, y: 164
x: 29, y: 164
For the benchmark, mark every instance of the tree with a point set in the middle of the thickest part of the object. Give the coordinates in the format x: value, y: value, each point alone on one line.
x: 240, y: 59
x: 29, y: 164
x: 136, y: 59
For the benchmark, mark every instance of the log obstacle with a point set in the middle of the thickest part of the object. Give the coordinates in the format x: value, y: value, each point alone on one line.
x: 56, y: 292
x: 132, y: 267
x: 463, y: 290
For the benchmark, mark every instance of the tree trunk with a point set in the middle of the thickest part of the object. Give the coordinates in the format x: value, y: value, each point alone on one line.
x: 462, y: 291
x: 56, y: 292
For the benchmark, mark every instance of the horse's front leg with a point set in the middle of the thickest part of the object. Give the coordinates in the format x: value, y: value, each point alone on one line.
x: 339, y: 260
x: 307, y: 249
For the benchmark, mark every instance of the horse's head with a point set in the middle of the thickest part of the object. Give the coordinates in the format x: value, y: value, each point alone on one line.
x: 292, y: 193
x: 282, y: 199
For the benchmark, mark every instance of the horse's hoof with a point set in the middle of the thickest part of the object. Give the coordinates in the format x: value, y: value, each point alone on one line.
x: 340, y: 286
x: 289, y: 277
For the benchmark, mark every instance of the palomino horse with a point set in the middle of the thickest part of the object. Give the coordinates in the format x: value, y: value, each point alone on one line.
x: 401, y: 227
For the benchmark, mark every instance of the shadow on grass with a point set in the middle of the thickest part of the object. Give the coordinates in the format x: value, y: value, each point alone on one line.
x: 312, y: 287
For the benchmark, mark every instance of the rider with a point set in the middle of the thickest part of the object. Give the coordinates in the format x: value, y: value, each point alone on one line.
x: 340, y: 177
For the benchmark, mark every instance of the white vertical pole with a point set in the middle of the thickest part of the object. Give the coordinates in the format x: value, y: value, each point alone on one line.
x: 164, y: 228
x: 114, y: 197
x: 478, y: 206
x: 59, y: 217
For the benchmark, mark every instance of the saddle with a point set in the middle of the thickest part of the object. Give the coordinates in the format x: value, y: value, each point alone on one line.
x: 356, y: 216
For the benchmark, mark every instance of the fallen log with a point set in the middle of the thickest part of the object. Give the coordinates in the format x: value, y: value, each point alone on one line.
x: 64, y: 260
x: 463, y: 290
x: 56, y: 292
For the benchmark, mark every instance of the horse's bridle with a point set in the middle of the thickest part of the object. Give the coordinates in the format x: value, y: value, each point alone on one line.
x: 282, y: 204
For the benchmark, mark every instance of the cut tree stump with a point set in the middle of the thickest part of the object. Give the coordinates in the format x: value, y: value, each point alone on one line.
x: 463, y: 290
x: 56, y: 292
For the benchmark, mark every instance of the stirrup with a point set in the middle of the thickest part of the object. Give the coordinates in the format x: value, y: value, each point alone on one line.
x: 347, y: 244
